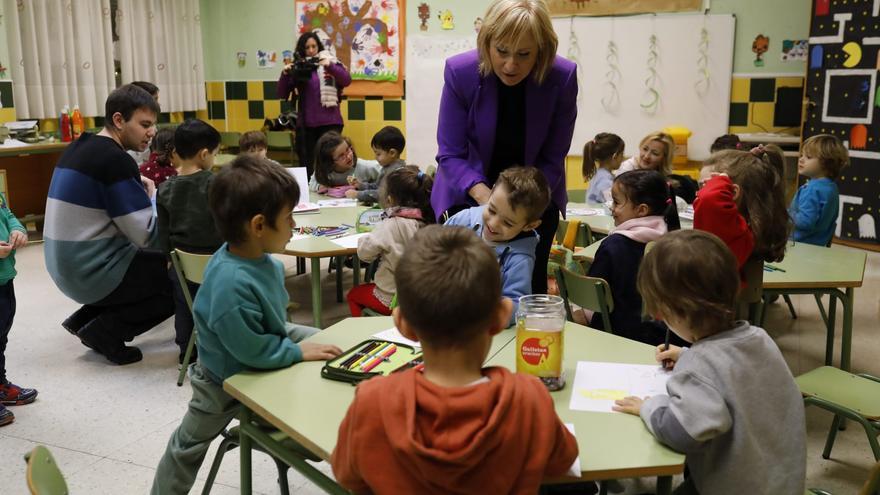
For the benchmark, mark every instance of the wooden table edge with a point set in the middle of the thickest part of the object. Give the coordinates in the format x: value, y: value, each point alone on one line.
x: 613, y: 474
x: 321, y: 254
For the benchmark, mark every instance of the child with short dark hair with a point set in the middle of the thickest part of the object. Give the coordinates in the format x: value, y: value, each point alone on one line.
x: 336, y: 162
x: 253, y: 142
x: 159, y: 166
x: 815, y: 206
x: 725, y: 142
x: 15, y: 236
x: 454, y: 417
x: 602, y: 156
x: 240, y: 309
x: 507, y: 222
x: 732, y: 406
x: 184, y: 219
x: 406, y: 199
x: 643, y: 208
x: 387, y: 145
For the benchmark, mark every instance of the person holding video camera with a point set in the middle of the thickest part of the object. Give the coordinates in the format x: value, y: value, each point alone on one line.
x: 315, y: 78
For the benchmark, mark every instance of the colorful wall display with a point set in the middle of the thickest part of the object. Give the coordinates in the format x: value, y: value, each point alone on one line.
x: 560, y: 8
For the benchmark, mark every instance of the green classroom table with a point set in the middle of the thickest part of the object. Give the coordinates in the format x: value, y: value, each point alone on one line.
x: 810, y: 269
x: 315, y: 248
x: 304, y: 406
x: 309, y: 409
x: 604, y: 223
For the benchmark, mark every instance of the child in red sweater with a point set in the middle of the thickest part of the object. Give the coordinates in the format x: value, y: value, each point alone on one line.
x: 454, y: 427
x: 159, y: 166
x: 743, y: 203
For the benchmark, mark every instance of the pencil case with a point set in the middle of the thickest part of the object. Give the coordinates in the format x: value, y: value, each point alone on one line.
x: 371, y: 358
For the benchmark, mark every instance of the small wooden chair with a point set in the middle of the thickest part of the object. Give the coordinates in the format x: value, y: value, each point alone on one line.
x: 587, y: 292
x: 574, y: 233
x: 749, y: 301
x: 189, y: 267
x: 577, y: 195
x: 280, y: 146
x: 229, y: 142
x: 871, y: 486
x: 43, y: 475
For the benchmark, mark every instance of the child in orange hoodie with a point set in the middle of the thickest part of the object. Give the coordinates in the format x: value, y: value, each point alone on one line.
x: 454, y: 426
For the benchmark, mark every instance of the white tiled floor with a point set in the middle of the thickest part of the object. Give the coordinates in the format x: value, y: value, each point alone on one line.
x: 107, y: 425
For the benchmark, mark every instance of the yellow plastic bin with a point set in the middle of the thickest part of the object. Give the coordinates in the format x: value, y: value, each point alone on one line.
x: 680, y: 135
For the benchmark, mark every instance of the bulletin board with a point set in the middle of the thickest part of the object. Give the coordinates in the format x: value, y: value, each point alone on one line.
x: 688, y: 64
x: 844, y: 57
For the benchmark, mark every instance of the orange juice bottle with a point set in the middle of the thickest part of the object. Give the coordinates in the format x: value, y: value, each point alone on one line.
x: 76, y: 121
x: 540, y: 321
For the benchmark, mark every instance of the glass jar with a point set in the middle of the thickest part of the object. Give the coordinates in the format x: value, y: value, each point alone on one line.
x: 540, y: 321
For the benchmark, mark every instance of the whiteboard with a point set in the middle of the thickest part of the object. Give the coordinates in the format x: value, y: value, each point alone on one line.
x: 705, y: 112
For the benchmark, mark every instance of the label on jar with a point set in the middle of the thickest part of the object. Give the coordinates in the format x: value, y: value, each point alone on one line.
x: 539, y: 352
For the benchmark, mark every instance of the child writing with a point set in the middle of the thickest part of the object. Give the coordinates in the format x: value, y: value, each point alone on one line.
x: 335, y: 162
x: 815, y: 206
x: 656, y: 152
x: 602, y: 156
x: 468, y: 425
x: 159, y: 167
x: 184, y: 219
x: 744, y: 205
x: 406, y: 198
x: 507, y: 222
x: 732, y: 406
x: 240, y: 309
x: 16, y: 237
x: 387, y: 145
x: 644, y: 210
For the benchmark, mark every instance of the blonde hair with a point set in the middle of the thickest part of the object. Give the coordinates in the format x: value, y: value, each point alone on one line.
x: 507, y: 21
x: 829, y: 150
x: 669, y: 145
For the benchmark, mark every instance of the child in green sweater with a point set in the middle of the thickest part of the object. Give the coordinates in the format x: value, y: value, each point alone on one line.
x: 240, y: 309
x: 16, y: 237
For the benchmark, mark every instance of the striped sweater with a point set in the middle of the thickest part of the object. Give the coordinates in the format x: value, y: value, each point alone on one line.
x: 97, y: 216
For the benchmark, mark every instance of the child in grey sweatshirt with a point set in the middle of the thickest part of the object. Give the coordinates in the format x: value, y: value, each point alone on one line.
x: 732, y: 406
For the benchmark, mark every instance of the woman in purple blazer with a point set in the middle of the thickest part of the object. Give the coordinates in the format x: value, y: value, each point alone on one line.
x: 318, y: 110
x: 510, y: 102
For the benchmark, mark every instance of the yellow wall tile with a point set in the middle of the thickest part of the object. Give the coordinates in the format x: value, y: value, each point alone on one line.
x: 739, y: 90
x: 202, y: 115
x: 762, y: 114
x: 255, y: 124
x: 272, y: 108
x: 220, y: 125
x: 8, y: 115
x: 255, y: 90
x: 215, y: 90
x: 373, y: 110
x: 789, y: 82
x: 236, y: 110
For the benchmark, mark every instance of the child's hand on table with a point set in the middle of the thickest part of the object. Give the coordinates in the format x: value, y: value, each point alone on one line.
x: 630, y: 405
x: 353, y: 181
x: 351, y: 193
x: 318, y: 352
x: 667, y: 357
x: 18, y: 239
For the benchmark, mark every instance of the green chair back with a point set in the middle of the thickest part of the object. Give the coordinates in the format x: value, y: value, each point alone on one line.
x: 577, y: 195
x: 587, y: 292
x: 188, y: 267
x: 229, y: 141
x: 43, y: 475
x: 279, y: 140
x: 583, y: 237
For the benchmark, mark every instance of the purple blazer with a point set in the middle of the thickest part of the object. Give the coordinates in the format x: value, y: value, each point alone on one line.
x: 311, y: 112
x: 466, y: 128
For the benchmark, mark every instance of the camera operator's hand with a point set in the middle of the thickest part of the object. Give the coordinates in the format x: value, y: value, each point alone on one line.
x: 288, y: 68
x: 324, y: 61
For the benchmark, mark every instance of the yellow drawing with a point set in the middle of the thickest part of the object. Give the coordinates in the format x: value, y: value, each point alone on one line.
x: 603, y: 394
x: 854, y: 54
x: 446, y: 19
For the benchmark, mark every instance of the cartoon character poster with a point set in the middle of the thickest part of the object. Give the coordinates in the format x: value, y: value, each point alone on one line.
x: 364, y: 35
x: 565, y: 8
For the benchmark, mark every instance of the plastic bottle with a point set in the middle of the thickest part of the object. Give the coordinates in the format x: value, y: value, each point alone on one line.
x: 64, y: 125
x: 77, y: 122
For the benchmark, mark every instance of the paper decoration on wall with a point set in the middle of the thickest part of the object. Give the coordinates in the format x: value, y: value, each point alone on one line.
x: 822, y: 7
x: 867, y: 227
x: 611, y: 100
x: 794, y: 51
x: 564, y: 8
x: 424, y: 15
x: 760, y: 47
x: 702, y: 84
x: 266, y: 59
x: 478, y: 24
x: 816, y: 56
x: 858, y: 137
x: 363, y: 35
x: 241, y: 57
x: 445, y: 17
x: 652, y: 97
x: 574, y: 54
x: 2, y: 70
x: 287, y: 57
x: 853, y: 54
x: 431, y: 47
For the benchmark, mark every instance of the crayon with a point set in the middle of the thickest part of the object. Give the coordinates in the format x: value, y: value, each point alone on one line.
x: 380, y: 358
x: 369, y: 355
x: 357, y: 355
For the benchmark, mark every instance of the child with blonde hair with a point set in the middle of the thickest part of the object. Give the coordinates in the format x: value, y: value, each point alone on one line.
x: 656, y: 151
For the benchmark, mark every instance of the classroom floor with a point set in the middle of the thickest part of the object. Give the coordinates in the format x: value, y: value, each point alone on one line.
x: 108, y: 425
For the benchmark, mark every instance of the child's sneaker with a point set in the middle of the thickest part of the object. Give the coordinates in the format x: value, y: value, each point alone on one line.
x: 13, y: 395
x: 6, y: 416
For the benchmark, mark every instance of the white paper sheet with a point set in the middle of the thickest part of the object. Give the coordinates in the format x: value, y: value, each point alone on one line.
x: 13, y: 143
x: 597, y: 385
x: 575, y: 469
x: 394, y: 335
x: 349, y: 241
x: 338, y: 203
x: 302, y: 180
x: 306, y: 208
x: 584, y: 212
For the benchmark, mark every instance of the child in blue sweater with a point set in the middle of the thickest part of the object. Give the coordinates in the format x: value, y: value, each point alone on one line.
x: 815, y: 206
x: 507, y: 222
x: 240, y: 309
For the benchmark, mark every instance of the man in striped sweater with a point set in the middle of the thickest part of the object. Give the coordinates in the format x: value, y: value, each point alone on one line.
x: 98, y: 220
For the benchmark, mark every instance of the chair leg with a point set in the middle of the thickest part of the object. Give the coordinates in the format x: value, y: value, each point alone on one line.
x: 821, y: 308
x: 225, y: 446
x: 282, y: 477
x: 186, y: 356
x: 340, y: 262
x: 832, y: 434
x: 787, y: 299
x: 872, y: 440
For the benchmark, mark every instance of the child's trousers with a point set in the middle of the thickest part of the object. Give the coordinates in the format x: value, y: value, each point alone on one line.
x: 209, y: 413
x: 7, y: 313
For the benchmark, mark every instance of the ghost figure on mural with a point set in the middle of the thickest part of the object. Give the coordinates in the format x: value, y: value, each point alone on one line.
x: 867, y: 228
